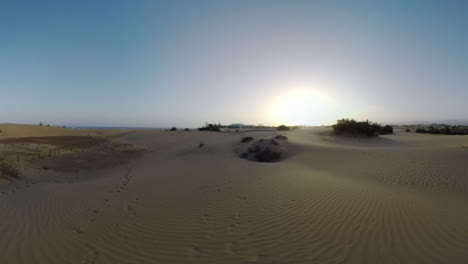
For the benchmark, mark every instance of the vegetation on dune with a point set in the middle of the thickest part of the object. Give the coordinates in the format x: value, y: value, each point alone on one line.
x: 347, y: 126
x: 443, y: 130
x: 421, y: 130
x: 211, y: 127
x: 386, y: 130
x: 246, y: 139
x: 173, y: 129
x: 283, y: 127
x: 264, y: 150
x: 7, y: 170
x: 266, y: 155
x: 281, y: 137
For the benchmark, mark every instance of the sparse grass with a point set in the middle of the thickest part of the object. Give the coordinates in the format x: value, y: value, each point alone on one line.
x: 360, y: 128
x: 7, y: 170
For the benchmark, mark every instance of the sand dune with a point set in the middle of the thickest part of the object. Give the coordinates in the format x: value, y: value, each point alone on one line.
x: 401, y: 198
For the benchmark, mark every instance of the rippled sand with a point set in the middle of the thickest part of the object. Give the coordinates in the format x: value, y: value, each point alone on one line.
x: 400, y: 198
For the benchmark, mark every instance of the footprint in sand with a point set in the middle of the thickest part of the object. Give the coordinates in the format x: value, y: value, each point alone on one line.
x: 78, y: 230
x: 259, y: 257
x: 230, y: 248
x: 116, y: 230
x: 237, y: 216
x: 234, y: 228
x: 91, y: 256
x: 194, y: 252
x: 131, y: 210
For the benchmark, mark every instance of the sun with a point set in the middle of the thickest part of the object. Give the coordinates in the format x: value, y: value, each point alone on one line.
x: 301, y: 107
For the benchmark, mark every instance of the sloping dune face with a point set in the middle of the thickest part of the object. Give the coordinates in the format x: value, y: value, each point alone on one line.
x: 396, y: 199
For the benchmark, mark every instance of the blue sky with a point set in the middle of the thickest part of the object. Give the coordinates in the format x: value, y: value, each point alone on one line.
x: 184, y: 63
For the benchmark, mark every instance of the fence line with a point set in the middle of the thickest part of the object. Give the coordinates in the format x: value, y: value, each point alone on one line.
x: 52, y: 152
x: 61, y: 150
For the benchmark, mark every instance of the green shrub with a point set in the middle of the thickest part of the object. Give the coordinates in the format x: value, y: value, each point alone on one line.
x: 363, y: 128
x: 387, y: 130
x: 210, y: 127
x: 173, y: 129
x: 283, y: 127
x: 444, y: 130
x: 420, y: 130
x: 408, y: 130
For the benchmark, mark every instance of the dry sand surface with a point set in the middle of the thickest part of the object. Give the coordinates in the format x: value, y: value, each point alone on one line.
x: 158, y: 197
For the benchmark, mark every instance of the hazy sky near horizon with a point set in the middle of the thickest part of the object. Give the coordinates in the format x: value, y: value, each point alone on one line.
x: 184, y: 63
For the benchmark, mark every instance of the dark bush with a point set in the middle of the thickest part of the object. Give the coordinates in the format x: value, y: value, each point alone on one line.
x: 363, y: 128
x: 433, y: 130
x: 408, y: 130
x: 283, y: 127
x: 7, y: 170
x: 420, y: 130
x: 445, y: 130
x: 281, y: 137
x: 255, y: 149
x: 210, y: 127
x: 173, y: 129
x: 387, y: 130
x: 186, y: 129
x: 246, y: 139
x: 267, y: 155
x: 274, y: 142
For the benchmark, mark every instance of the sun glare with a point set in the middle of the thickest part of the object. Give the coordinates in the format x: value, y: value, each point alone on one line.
x: 301, y: 107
